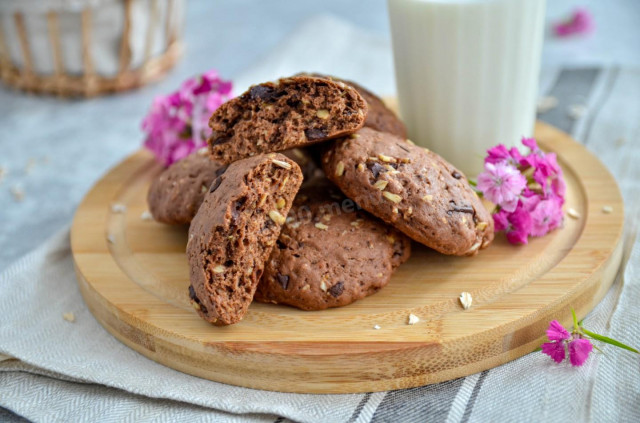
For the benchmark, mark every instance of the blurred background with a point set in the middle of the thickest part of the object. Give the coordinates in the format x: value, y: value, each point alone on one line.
x: 53, y: 149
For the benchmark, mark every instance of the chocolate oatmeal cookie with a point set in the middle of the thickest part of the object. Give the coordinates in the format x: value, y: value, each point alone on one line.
x: 379, y: 117
x: 291, y: 112
x: 232, y: 234
x: 176, y: 194
x: 411, y: 188
x: 329, y: 254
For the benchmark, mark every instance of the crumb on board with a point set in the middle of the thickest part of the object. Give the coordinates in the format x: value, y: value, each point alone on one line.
x: 146, y: 215
x: 376, y: 327
x: 118, y: 208
x: 413, y: 319
x: 607, y: 209
x: 466, y: 300
x: 69, y: 316
x: 573, y: 213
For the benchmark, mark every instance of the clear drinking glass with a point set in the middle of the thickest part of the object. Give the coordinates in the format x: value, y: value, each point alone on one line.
x: 467, y: 73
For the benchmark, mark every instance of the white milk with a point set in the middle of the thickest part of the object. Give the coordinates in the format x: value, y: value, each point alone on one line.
x: 467, y: 73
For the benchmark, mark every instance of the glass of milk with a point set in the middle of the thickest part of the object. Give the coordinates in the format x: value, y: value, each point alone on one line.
x: 467, y: 73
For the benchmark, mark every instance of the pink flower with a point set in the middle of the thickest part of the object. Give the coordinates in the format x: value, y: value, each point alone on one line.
x: 497, y: 154
x: 546, y: 171
x: 546, y: 216
x: 557, y: 332
x: 527, y: 206
x: 177, y: 123
x: 579, y: 350
x: 516, y: 224
x: 561, y: 340
x: 581, y: 22
x: 501, y: 184
x: 500, y: 154
x: 577, y: 343
x: 555, y: 350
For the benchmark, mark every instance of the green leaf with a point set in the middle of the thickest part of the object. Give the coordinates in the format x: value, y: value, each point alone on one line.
x: 537, y: 349
x: 608, y: 340
x: 575, y: 319
x: 472, y: 182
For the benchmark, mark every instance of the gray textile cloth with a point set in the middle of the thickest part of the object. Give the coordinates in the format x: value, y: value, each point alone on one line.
x: 61, y: 371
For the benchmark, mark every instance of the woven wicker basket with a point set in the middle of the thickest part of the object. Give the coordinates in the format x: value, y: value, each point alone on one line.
x: 88, y: 47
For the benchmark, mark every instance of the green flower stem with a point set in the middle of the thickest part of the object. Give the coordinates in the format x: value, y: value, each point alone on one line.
x: 608, y: 340
x: 577, y: 327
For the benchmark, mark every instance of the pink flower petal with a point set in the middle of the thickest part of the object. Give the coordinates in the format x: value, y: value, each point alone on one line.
x: 181, y: 151
x: 501, y: 220
x: 555, y: 350
x: 497, y: 154
x: 531, y: 143
x: 517, y: 237
x: 510, y: 205
x: 520, y: 225
x: 557, y: 332
x: 530, y: 199
x: 579, y: 351
x: 516, y: 224
x: 501, y: 183
x: 500, y: 154
x: 545, y: 217
x: 515, y: 155
x: 581, y: 22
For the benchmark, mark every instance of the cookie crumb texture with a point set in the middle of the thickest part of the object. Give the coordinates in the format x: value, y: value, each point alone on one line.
x: 379, y: 116
x: 304, y: 160
x: 423, y: 195
x: 232, y: 234
x: 329, y: 254
x: 291, y: 112
x: 176, y: 194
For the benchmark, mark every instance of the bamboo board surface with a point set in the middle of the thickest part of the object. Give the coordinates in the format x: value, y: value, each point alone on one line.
x: 136, y: 286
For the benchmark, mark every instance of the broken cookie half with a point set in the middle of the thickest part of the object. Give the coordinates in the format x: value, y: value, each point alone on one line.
x: 292, y: 112
x: 232, y: 235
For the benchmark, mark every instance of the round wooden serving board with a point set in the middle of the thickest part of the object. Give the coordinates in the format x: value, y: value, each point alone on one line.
x: 134, y: 277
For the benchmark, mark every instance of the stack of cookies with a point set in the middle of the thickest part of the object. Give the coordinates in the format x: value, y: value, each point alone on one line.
x: 309, y: 196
